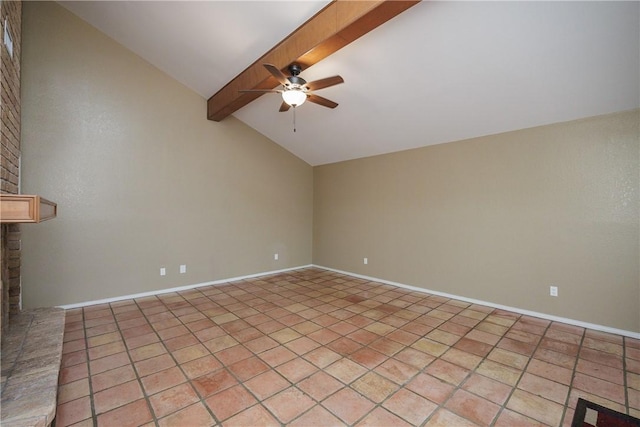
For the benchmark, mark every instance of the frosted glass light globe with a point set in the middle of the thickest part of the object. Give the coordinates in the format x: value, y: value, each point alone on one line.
x: 294, y: 97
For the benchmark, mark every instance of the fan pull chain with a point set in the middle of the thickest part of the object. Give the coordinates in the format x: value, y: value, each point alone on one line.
x: 294, y: 118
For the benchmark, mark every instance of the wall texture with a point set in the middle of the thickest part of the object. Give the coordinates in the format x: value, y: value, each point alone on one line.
x: 142, y: 179
x: 498, y: 218
x: 10, y: 155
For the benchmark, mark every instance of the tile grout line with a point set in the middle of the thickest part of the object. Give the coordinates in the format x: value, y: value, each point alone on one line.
x: 241, y: 382
x: 371, y: 370
x: 325, y: 345
x: 485, y: 358
x: 624, y: 376
x: 94, y: 416
x: 471, y: 371
x: 127, y: 351
x: 147, y: 397
x: 368, y: 370
x: 179, y: 365
x: 223, y: 365
x: 169, y: 309
x: 457, y: 387
x: 292, y: 290
x: 257, y: 354
x: 88, y: 365
x: 573, y: 374
x: 524, y: 370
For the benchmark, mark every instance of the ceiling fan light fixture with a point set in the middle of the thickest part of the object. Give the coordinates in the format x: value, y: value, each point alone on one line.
x: 294, y: 97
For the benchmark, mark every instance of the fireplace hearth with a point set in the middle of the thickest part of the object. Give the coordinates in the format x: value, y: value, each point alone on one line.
x: 31, y: 360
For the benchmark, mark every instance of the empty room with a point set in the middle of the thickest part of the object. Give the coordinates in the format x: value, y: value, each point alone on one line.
x: 320, y: 213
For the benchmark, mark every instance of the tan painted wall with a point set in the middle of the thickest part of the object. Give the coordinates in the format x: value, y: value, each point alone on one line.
x: 141, y: 178
x: 498, y: 218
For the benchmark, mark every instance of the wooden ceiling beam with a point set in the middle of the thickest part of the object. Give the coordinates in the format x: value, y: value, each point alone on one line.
x: 338, y: 24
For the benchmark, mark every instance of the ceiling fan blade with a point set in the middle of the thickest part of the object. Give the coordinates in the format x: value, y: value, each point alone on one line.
x: 321, y: 101
x: 327, y: 82
x: 275, y: 72
x: 260, y: 90
x: 284, y: 107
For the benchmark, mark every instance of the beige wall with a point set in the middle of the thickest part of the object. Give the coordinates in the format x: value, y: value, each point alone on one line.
x: 141, y: 178
x: 498, y: 218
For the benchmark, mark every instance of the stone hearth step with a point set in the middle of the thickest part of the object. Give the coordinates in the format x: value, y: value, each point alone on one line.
x: 31, y: 357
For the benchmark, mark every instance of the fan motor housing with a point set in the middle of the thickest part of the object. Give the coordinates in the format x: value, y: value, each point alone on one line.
x: 295, y: 70
x: 295, y: 80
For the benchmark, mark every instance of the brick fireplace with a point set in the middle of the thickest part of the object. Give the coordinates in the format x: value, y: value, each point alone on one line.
x: 31, y: 340
x: 10, y: 150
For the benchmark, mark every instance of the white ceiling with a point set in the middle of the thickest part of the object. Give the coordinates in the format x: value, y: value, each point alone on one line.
x: 439, y: 72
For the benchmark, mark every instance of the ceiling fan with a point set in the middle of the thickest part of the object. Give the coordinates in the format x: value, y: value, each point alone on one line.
x: 295, y: 90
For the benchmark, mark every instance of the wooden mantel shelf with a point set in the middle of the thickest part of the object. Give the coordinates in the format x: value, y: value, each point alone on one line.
x: 24, y: 208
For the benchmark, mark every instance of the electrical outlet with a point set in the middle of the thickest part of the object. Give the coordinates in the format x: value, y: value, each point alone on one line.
x: 366, y: 260
x: 163, y: 271
x: 275, y: 256
x: 553, y: 291
x: 183, y: 268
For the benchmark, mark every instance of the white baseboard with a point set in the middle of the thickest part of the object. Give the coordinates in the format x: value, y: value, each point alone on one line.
x: 579, y: 323
x: 178, y: 289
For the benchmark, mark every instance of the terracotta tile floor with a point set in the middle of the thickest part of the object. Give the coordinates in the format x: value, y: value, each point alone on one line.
x: 317, y: 348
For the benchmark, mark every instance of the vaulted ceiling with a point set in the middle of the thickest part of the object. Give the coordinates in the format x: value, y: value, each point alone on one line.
x: 436, y: 73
